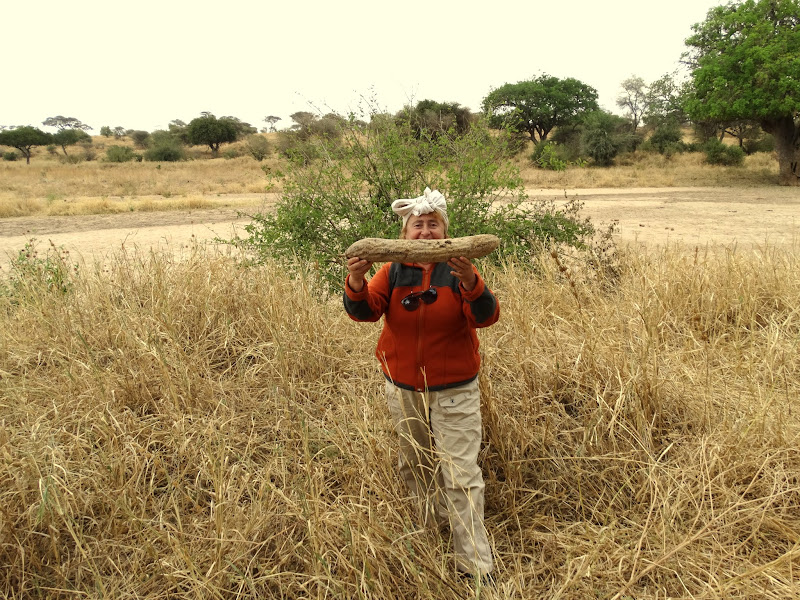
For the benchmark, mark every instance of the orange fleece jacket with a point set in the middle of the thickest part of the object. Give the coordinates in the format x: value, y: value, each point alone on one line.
x: 435, y: 346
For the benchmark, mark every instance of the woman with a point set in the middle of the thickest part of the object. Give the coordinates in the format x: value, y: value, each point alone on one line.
x: 428, y: 350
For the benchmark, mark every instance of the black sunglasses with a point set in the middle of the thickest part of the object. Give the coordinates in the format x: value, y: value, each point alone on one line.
x: 411, y: 302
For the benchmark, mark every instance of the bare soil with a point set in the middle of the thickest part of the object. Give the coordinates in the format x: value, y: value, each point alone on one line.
x: 692, y: 216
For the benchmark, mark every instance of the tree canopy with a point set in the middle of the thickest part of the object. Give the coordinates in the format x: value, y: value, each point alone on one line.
x: 745, y: 65
x: 70, y: 137
x: 432, y: 118
x: 210, y: 131
x: 61, y: 123
x: 537, y: 106
x: 24, y: 139
x: 664, y: 102
x: 633, y: 98
x: 271, y: 119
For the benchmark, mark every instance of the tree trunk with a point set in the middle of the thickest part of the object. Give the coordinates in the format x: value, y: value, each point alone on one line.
x: 787, y: 137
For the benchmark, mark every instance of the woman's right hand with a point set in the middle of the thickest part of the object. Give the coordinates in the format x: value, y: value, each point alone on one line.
x: 358, y: 268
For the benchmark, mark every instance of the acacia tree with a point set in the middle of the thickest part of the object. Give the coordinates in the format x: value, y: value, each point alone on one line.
x: 210, y: 131
x: 745, y: 65
x: 70, y: 137
x: 272, y: 119
x: 537, y: 106
x: 24, y: 139
x: 62, y: 123
x: 70, y: 131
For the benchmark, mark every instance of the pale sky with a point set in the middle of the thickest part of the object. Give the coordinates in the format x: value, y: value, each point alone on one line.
x: 142, y: 64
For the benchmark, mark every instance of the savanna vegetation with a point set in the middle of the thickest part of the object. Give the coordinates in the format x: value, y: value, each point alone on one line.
x: 197, y: 428
x: 213, y: 426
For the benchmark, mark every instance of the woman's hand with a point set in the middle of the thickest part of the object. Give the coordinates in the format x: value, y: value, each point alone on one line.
x: 358, y: 268
x: 462, y: 268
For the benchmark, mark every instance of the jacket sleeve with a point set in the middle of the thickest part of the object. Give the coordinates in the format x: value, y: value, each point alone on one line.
x: 480, y: 305
x: 370, y: 303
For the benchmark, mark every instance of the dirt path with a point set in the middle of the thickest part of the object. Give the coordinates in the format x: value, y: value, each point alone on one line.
x: 694, y: 216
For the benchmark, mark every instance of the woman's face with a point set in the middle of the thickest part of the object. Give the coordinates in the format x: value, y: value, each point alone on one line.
x: 425, y: 227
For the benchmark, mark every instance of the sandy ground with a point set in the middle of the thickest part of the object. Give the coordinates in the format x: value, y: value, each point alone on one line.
x: 693, y: 216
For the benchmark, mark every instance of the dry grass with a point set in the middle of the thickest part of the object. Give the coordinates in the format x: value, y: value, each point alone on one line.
x: 44, y: 186
x: 50, y: 187
x: 654, y: 170
x: 185, y: 428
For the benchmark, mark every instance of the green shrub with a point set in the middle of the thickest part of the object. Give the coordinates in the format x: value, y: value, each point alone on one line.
x: 546, y: 156
x: 140, y: 138
x: 667, y: 139
x: 297, y: 148
x: 120, y: 154
x: 568, y: 141
x: 515, y: 143
x: 10, y: 156
x: 600, y: 146
x: 164, y: 147
x: 164, y: 154
x: 718, y: 153
x: 605, y: 135
x: 33, y: 274
x: 346, y: 193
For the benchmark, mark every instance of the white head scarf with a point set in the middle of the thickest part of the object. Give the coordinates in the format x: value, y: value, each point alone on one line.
x: 430, y: 201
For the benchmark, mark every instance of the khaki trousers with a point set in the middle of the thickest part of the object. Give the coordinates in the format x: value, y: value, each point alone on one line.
x: 440, y: 436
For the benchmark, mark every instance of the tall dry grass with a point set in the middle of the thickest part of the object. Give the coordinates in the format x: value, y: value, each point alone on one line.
x: 185, y: 427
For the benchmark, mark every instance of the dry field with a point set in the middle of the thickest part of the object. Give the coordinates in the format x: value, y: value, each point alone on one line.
x: 694, y: 216
x: 174, y: 425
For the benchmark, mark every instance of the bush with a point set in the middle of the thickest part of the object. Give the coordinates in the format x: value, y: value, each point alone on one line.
x: 667, y: 139
x: 546, y: 156
x: 718, y: 153
x: 140, y: 138
x: 346, y: 195
x: 165, y: 152
x: 233, y: 152
x: 33, y: 274
x: 605, y: 135
x: 600, y: 146
x: 765, y: 143
x: 10, y: 156
x: 568, y: 140
x: 120, y: 154
x: 89, y: 152
x: 515, y: 143
x: 258, y: 147
x: 296, y: 148
x: 164, y: 146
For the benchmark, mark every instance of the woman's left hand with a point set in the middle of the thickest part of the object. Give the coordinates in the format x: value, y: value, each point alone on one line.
x: 462, y: 268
